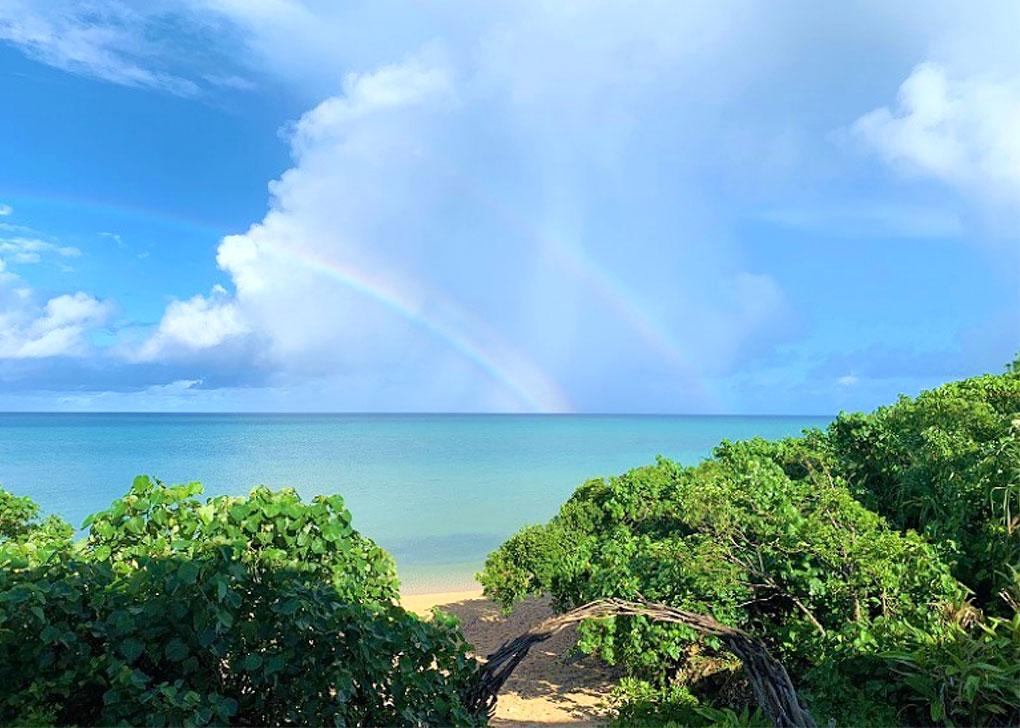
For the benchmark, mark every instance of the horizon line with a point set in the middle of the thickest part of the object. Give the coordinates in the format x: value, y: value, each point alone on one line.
x: 389, y: 413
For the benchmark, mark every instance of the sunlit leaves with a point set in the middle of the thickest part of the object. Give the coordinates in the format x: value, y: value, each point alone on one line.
x: 262, y: 610
x: 948, y: 465
x: 783, y: 540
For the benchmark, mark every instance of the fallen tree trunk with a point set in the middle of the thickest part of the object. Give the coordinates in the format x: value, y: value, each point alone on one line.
x: 772, y: 686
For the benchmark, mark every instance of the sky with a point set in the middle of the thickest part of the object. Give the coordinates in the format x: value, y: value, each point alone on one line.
x: 575, y: 206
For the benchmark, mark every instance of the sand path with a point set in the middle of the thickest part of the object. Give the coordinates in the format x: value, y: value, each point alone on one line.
x: 549, y: 687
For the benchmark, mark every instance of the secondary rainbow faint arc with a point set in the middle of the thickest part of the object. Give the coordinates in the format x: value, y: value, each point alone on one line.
x: 612, y: 290
x: 550, y: 399
x: 121, y: 209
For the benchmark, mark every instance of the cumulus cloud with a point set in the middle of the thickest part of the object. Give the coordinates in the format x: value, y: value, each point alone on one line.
x: 59, y: 326
x: 5, y: 210
x: 442, y: 229
x: 962, y: 131
x: 530, y: 209
x: 58, y: 329
x: 193, y: 325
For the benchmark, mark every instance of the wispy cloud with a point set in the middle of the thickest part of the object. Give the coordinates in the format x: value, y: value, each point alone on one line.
x: 5, y: 209
x: 151, y: 45
x: 30, y: 250
x: 229, y: 80
x: 114, y: 237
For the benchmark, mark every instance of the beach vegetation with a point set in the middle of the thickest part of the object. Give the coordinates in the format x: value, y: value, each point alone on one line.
x: 877, y: 562
x: 876, y: 559
x: 257, y: 610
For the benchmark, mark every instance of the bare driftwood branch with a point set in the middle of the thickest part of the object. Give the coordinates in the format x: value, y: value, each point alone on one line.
x: 772, y: 686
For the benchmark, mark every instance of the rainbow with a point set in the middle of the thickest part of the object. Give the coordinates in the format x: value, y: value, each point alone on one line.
x: 534, y: 389
x: 122, y: 210
x: 531, y: 386
x: 610, y: 288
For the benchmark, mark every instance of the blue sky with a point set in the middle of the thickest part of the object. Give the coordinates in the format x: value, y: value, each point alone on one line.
x: 704, y: 207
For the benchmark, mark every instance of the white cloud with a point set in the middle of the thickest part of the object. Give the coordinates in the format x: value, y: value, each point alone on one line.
x: 534, y: 202
x: 58, y: 329
x: 115, y: 237
x: 119, y: 42
x: 5, y: 210
x: 229, y: 81
x: 106, y: 41
x: 194, y: 325
x: 848, y: 380
x: 962, y: 131
x: 437, y: 232
x: 30, y: 250
x: 60, y: 326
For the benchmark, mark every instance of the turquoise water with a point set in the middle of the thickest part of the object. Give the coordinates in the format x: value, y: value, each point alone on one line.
x: 438, y: 491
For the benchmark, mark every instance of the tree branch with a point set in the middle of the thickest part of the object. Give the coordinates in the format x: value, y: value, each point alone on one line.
x: 772, y: 686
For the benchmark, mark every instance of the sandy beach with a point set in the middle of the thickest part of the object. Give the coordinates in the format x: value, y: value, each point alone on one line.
x: 550, y: 687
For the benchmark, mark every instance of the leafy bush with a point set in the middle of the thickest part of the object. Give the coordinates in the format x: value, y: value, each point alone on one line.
x: 266, y: 531
x: 249, y: 611
x: 966, y: 672
x: 639, y: 704
x: 790, y: 541
x: 948, y: 465
x: 24, y: 538
x: 798, y: 562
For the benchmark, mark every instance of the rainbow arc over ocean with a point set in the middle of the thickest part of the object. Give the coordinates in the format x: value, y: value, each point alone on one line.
x: 439, y: 317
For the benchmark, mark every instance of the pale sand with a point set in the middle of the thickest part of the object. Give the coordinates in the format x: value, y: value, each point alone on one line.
x: 549, y: 687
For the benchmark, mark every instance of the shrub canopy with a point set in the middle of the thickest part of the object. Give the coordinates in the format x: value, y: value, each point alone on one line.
x: 251, y: 611
x: 948, y: 465
x: 840, y: 549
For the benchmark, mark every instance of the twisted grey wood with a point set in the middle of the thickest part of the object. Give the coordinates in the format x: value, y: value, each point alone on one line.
x: 772, y: 686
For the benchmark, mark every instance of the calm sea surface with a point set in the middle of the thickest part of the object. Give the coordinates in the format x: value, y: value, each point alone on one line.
x: 438, y: 491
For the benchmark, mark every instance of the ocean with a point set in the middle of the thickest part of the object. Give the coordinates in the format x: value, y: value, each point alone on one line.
x: 439, y: 492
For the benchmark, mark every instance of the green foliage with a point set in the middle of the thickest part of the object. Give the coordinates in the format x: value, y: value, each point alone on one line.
x: 639, y: 704
x: 966, y: 672
x: 1014, y: 366
x: 24, y: 538
x: 797, y: 561
x: 839, y: 549
x: 266, y: 531
x: 948, y: 465
x: 17, y: 515
x: 247, y: 611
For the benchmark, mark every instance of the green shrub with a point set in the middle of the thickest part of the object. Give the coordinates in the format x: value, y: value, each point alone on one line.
x: 796, y: 561
x: 246, y: 611
x: 964, y: 673
x: 639, y: 704
x: 267, y: 530
x: 842, y: 550
x: 24, y: 538
x: 948, y: 465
